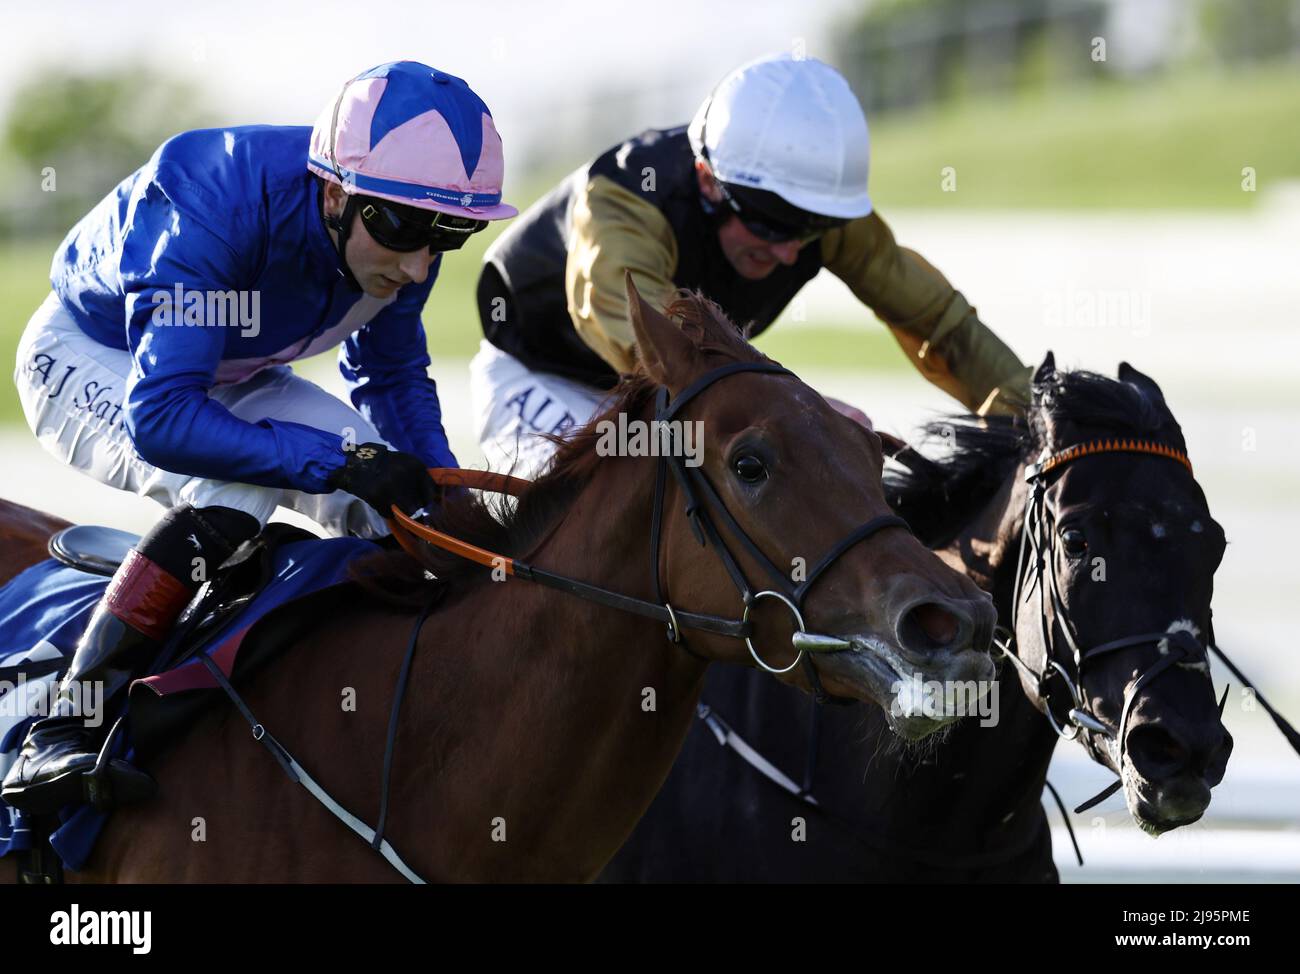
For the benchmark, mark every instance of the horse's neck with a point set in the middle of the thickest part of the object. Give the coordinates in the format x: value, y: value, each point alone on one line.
x: 987, y: 548
x: 1004, y: 764
x: 559, y: 716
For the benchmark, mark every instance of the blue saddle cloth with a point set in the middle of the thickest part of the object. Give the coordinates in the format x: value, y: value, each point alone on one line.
x: 43, y: 613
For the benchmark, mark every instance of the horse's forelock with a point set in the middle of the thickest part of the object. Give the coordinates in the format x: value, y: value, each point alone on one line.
x: 1086, y: 399
x: 939, y: 494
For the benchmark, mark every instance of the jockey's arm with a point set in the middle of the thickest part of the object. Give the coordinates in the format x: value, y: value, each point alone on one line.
x: 616, y: 230
x: 173, y: 422
x: 386, y: 366
x: 940, y: 332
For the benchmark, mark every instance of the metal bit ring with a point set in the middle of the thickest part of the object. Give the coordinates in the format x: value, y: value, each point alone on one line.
x: 798, y: 618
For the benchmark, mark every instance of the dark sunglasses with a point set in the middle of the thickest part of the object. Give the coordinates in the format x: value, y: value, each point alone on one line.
x: 409, y: 228
x: 774, y: 231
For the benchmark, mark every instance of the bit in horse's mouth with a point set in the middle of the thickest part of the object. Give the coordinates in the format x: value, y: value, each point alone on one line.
x: 889, y: 656
x: 891, y: 663
x: 877, y: 658
x: 871, y: 661
x: 884, y: 671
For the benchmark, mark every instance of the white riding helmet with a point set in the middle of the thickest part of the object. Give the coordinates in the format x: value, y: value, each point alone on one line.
x: 791, y: 127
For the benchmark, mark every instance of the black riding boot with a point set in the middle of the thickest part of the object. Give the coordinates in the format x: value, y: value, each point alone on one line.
x: 150, y: 589
x: 60, y: 748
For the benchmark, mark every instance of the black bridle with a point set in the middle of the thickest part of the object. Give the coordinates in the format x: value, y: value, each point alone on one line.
x: 694, y: 486
x: 1178, y: 647
x: 1038, y: 524
x: 702, y: 505
x: 701, y: 498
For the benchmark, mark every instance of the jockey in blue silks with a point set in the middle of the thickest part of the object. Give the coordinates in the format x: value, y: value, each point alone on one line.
x: 158, y: 363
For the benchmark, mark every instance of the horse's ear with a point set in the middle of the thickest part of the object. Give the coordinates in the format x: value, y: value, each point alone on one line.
x: 1043, y: 374
x: 1131, y: 376
x: 666, y: 352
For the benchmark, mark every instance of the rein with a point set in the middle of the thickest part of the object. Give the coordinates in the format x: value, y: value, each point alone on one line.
x: 693, y: 484
x: 726, y: 736
x: 406, y: 528
x: 702, y: 504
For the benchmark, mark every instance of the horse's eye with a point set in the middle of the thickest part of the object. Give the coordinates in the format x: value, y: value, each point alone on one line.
x: 1074, y: 541
x: 749, y: 468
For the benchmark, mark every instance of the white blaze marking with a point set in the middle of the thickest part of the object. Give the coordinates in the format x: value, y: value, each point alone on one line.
x: 1178, y: 625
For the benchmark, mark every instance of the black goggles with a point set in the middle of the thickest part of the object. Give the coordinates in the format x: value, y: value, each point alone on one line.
x: 408, y: 228
x: 774, y: 230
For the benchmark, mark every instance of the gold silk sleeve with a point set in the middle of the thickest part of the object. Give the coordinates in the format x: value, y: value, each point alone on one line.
x: 938, y: 330
x: 614, y: 229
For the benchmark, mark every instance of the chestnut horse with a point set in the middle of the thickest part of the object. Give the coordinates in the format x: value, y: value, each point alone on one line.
x: 1129, y: 544
x: 537, y: 726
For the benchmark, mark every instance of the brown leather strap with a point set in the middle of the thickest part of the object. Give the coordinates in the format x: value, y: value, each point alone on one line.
x: 445, y: 541
x: 404, y: 529
x: 497, y: 483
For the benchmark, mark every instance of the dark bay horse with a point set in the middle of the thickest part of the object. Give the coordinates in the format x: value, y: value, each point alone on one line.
x: 1134, y: 552
x: 538, y: 726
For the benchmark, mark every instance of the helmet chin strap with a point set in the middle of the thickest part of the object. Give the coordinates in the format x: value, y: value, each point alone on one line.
x: 342, y: 227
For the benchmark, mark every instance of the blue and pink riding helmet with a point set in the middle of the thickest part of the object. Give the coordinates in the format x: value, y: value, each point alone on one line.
x: 407, y: 134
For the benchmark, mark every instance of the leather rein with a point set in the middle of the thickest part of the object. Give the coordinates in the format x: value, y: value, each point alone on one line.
x: 1079, y: 719
x: 702, y: 506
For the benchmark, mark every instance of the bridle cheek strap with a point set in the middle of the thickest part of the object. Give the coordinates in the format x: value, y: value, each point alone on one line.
x: 702, y: 504
x: 1179, y: 645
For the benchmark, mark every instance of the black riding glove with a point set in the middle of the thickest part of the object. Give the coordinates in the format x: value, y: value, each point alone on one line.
x: 382, y: 477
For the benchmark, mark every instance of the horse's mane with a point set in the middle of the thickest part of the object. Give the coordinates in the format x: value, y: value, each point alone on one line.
x: 937, y: 494
x: 513, y: 529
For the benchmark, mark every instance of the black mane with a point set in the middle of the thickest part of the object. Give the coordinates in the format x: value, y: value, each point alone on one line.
x: 937, y: 493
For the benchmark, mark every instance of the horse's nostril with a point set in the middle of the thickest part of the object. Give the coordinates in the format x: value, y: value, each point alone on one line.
x: 1156, y: 752
x: 928, y: 626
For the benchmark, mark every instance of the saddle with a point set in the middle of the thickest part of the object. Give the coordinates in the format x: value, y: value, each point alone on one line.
x: 92, y: 547
x: 100, y: 550
x: 156, y: 717
x: 237, y: 582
